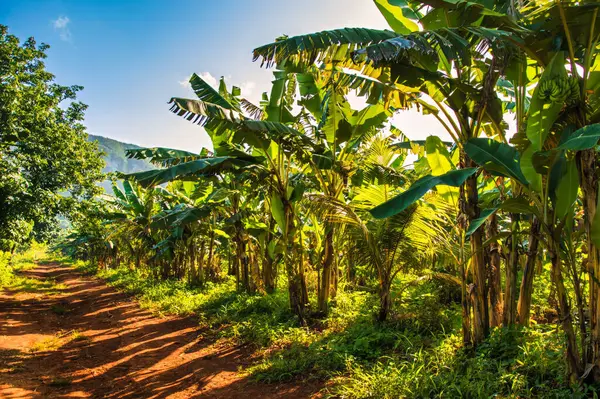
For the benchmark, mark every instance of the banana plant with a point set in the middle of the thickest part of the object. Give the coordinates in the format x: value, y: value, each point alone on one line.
x: 340, y: 131
x: 449, y: 63
x: 556, y: 137
x: 552, y: 205
x: 133, y: 209
x: 270, y: 146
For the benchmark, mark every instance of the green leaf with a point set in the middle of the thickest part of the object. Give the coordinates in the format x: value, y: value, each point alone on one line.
x: 542, y: 113
x: 274, y: 248
x: 220, y: 233
x: 439, y: 161
x: 278, y: 212
x: 438, y: 156
x: 545, y: 161
x: 206, y: 93
x: 419, y: 188
x: 162, y: 156
x: 369, y: 118
x: 186, y: 171
x: 323, y: 161
x: 335, y: 122
x: 321, y: 45
x: 518, y: 205
x: 557, y: 171
x: 398, y: 15
x: 528, y: 169
x: 566, y: 192
x: 297, y: 192
x: 495, y: 157
x: 583, y: 139
x: 477, y: 223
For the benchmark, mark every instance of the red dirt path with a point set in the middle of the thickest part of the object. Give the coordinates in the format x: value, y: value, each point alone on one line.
x: 122, y: 351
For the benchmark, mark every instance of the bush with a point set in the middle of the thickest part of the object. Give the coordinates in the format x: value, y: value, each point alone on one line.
x: 510, y: 363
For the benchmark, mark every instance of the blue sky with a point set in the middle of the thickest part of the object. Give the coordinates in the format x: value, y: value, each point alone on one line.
x: 133, y: 56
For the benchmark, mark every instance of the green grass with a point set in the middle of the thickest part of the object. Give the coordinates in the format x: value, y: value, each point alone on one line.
x: 77, y: 336
x: 11, y: 269
x: 417, y: 354
x: 46, y: 345
x: 510, y: 364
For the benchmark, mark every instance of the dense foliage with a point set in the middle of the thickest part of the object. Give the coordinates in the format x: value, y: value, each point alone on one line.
x: 316, y: 229
x: 49, y: 169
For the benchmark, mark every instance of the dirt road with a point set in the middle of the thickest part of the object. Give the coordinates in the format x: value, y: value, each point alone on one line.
x: 88, y: 340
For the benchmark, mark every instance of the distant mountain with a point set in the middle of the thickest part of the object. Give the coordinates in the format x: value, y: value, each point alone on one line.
x: 116, y: 160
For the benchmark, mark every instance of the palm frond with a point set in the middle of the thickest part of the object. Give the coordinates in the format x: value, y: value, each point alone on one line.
x: 207, y: 94
x: 323, y: 46
x: 253, y: 111
x: 163, y: 156
x: 392, y: 95
x: 187, y: 171
x: 200, y: 112
x: 219, y: 122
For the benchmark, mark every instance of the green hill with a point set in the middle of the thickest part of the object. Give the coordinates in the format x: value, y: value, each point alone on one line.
x: 116, y: 160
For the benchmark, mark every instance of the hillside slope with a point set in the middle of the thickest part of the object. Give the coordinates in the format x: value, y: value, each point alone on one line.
x: 116, y: 160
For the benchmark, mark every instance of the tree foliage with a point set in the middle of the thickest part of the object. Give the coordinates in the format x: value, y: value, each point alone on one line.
x: 48, y: 166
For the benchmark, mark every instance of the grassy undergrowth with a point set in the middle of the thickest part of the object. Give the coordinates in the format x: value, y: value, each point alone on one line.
x: 417, y: 354
x: 12, y: 266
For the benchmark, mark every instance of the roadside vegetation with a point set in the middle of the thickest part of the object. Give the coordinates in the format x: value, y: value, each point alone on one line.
x: 418, y: 353
x: 11, y: 268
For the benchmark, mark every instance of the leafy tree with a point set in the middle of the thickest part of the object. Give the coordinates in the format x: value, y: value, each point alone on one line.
x: 48, y: 166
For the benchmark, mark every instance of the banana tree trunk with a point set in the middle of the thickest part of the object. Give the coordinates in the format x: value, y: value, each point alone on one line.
x: 512, y: 263
x: 335, y: 275
x: 193, y: 272
x: 495, y: 279
x: 351, y: 272
x: 209, y: 260
x: 526, y: 290
x: 243, y: 276
x: 200, y: 270
x: 294, y: 269
x: 564, y: 313
x: 269, y: 272
x: 465, y: 305
x: 464, y: 296
x: 479, y: 288
x: 589, y: 185
x: 326, y: 273
x: 231, y: 266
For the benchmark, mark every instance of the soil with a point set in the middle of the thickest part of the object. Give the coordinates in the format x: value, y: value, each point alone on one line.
x: 89, y: 340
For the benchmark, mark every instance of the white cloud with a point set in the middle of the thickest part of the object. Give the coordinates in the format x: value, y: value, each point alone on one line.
x: 184, y: 82
x: 61, y: 26
x: 206, y: 76
x: 247, y: 88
